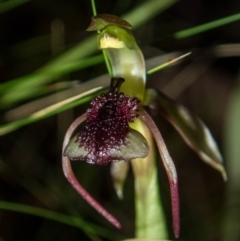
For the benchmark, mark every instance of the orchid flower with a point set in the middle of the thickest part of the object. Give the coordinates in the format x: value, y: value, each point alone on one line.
x: 119, y: 130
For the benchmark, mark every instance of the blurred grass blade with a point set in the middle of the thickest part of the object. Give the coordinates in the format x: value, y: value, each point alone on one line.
x: 207, y: 26
x: 51, y: 110
x: 147, y: 10
x: 190, y: 127
x: 94, y: 7
x: 10, y: 4
x: 73, y: 88
x: 26, y: 87
x: 89, y: 228
x: 162, y: 66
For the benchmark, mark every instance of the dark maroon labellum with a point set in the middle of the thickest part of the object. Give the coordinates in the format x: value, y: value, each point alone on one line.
x: 107, y: 135
x: 107, y: 125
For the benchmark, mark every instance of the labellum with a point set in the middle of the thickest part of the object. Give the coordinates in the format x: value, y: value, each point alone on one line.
x: 107, y: 136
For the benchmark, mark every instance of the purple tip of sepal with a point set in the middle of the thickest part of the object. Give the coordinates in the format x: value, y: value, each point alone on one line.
x: 68, y: 172
x: 175, y: 208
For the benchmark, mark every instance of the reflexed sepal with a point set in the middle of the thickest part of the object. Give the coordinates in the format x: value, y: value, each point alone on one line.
x: 169, y: 167
x: 191, y: 128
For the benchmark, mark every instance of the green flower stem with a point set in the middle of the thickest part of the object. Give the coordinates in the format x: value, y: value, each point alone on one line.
x: 150, y: 219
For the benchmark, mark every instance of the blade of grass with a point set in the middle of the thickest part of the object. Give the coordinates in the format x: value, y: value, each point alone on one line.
x: 207, y: 26
x: 94, y: 7
x: 162, y: 66
x: 26, y: 87
x: 147, y: 10
x: 89, y: 228
x: 51, y: 110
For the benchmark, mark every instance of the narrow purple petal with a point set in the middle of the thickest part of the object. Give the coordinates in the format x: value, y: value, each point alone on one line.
x: 67, y: 169
x: 169, y: 167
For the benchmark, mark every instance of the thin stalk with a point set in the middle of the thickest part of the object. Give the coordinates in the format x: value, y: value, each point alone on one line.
x: 94, y: 8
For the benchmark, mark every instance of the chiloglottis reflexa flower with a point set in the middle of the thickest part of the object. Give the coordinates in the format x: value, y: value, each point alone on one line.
x: 117, y: 123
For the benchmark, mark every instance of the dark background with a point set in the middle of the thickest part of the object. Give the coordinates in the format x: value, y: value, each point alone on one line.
x: 30, y: 158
